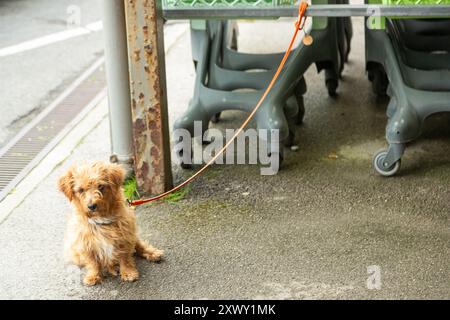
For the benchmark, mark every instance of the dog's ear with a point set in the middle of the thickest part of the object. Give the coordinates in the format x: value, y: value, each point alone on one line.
x: 116, y: 174
x: 65, y: 184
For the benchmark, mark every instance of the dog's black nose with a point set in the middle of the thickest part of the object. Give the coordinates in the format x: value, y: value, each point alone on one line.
x: 92, y: 207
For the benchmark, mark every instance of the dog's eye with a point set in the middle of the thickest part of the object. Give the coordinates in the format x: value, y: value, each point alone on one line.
x: 81, y: 190
x: 101, y: 187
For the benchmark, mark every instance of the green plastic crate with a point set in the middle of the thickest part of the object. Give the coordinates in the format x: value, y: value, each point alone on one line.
x: 317, y: 22
x: 379, y: 22
x: 225, y: 3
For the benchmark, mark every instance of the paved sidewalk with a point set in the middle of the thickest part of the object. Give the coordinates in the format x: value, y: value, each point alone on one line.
x: 309, y: 232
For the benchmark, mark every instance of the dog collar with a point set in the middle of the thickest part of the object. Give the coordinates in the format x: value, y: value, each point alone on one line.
x: 100, y: 221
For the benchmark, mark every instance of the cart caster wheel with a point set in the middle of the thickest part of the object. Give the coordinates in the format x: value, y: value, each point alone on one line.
x: 301, y: 110
x: 216, y: 118
x: 381, y: 169
x: 332, y: 85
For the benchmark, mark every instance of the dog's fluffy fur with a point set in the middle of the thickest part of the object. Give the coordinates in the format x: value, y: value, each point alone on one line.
x: 101, y: 233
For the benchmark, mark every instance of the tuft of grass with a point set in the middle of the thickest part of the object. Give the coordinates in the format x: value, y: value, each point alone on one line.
x: 130, y: 189
x: 178, y: 195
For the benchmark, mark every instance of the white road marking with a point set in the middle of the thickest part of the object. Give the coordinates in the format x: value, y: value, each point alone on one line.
x: 51, y: 38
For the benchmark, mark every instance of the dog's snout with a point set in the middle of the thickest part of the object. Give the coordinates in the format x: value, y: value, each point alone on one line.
x: 92, y: 207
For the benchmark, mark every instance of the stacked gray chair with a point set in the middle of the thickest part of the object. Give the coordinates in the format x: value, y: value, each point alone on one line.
x: 221, y: 70
x: 410, y: 61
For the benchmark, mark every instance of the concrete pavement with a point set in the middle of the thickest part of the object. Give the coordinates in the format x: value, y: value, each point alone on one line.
x: 310, y: 232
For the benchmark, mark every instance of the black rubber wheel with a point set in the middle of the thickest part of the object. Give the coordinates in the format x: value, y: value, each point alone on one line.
x: 378, y: 161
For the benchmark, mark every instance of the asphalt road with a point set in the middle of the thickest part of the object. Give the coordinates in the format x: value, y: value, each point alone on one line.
x: 31, y: 79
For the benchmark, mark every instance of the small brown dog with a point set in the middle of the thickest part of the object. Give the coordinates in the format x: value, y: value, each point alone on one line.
x: 101, y: 234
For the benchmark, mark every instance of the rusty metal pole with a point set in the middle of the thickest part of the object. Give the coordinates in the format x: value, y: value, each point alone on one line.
x: 146, y: 61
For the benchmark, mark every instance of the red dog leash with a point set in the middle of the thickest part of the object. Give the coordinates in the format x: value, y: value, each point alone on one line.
x: 299, y: 24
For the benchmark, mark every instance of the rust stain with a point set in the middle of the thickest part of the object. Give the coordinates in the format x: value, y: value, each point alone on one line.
x: 155, y: 136
x: 141, y: 98
x: 137, y: 55
x: 145, y: 31
x: 154, y: 152
x: 143, y: 175
x: 148, y: 49
x: 157, y: 174
x: 152, y: 125
x: 151, y: 118
x: 137, y: 148
x: 153, y: 110
x: 139, y: 127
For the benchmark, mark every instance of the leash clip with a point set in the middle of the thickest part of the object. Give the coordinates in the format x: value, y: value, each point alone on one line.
x: 301, y: 20
x: 300, y: 23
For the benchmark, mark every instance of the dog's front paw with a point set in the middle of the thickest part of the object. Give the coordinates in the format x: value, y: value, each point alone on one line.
x: 92, y: 280
x: 154, y: 255
x: 129, y: 275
